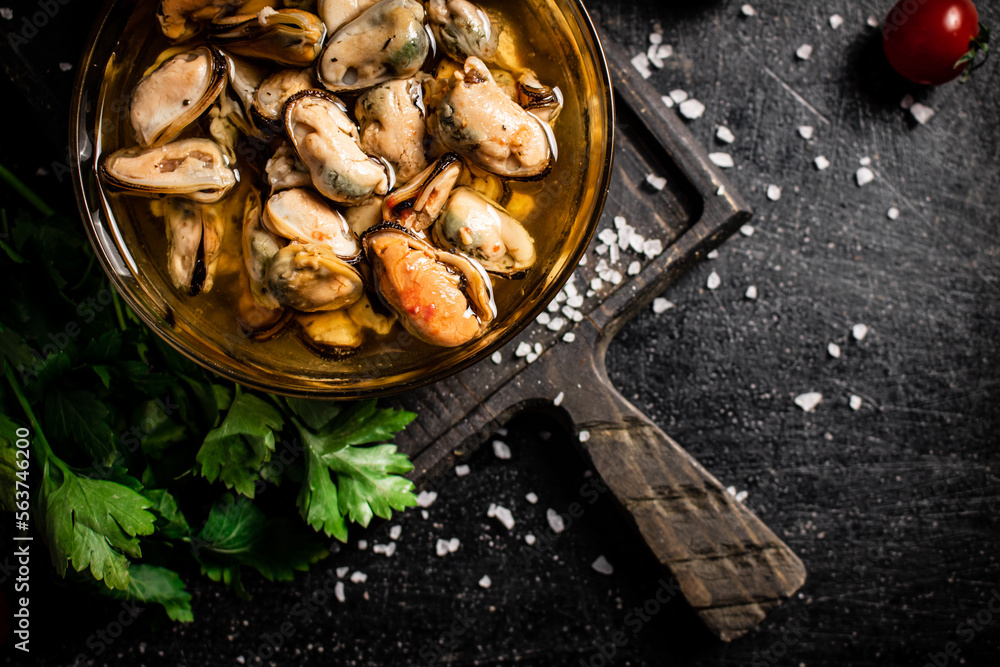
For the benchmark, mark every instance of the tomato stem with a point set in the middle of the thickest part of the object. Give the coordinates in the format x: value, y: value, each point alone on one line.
x: 980, y: 44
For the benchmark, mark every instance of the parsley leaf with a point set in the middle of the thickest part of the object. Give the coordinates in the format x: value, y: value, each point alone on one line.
x: 152, y: 583
x: 170, y: 522
x: 317, y: 500
x: 93, y: 523
x: 235, y: 451
x: 237, y: 533
x: 80, y: 417
x: 370, y: 482
x: 316, y: 414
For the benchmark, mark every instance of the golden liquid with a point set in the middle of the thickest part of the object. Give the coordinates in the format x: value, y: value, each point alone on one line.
x: 562, y: 214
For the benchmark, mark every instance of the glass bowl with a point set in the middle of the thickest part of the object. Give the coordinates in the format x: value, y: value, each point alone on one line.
x: 131, y: 247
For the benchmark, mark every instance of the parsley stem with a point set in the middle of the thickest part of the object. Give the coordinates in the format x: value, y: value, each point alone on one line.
x: 44, y: 450
x: 36, y: 201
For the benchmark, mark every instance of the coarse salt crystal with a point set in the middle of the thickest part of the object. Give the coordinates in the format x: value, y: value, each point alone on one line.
x: 921, y: 113
x: 836, y: 21
x: 543, y: 318
x: 568, y: 312
x: 359, y: 577
x: 748, y: 10
x: 553, y: 307
x: 872, y: 21
x: 65, y: 67
x: 721, y: 191
x: 505, y: 517
x: 641, y: 64
x: 634, y: 268
x: 668, y: 101
x: 608, y: 236
x: 804, y: 52
x: 556, y: 522
x: 531, y: 358
x: 713, y: 281
x: 692, y: 109
x: 569, y: 337
x: 806, y: 131
x: 338, y: 592
x: 655, y: 38
x: 722, y: 160
x: 747, y: 230
x: 454, y: 543
x: 741, y: 496
x: 574, y: 301
x: 821, y: 163
x: 907, y: 102
x: 856, y: 402
x: 678, y: 95
x: 661, y: 305
x: 714, y: 254
x: 624, y: 236
x: 596, y: 284
x: 620, y: 222
x: 441, y: 548
x: 501, y: 450
x: 725, y: 135
x: 601, y: 249
x: 751, y: 292
x: 497, y: 358
x: 462, y: 470
x: 652, y: 248
x: 584, y: 436
x: 833, y: 350
x: 557, y: 401
x: 531, y: 497
x: 635, y: 242
x: 865, y: 161
x: 664, y: 51
x: 864, y: 176
x: 556, y: 324
x: 523, y: 349
x: 362, y: 544
x: 809, y: 401
x: 485, y: 582
x: 529, y: 539
x: 893, y: 213
x: 396, y: 531
x: 859, y: 331
x: 602, y: 565
x: 538, y: 350
x: 342, y: 572
x: 773, y: 192
x: 426, y: 498
x: 7, y: 13
x: 657, y: 182
x: 424, y: 514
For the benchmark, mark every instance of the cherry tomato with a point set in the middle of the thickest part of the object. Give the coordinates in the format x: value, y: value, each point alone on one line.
x: 924, y: 39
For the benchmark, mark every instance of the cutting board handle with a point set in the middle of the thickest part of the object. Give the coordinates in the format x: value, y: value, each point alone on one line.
x: 731, y: 568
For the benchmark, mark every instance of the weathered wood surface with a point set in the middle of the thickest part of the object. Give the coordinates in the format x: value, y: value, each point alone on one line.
x: 731, y: 568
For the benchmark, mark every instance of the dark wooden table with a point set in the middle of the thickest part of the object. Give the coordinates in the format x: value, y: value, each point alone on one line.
x: 893, y: 507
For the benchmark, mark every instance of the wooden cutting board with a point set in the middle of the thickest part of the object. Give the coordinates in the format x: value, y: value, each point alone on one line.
x: 730, y: 566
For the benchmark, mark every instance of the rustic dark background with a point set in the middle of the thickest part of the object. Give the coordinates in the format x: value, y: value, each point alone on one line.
x: 894, y: 508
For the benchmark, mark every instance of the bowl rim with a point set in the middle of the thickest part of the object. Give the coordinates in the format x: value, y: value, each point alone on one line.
x: 83, y: 147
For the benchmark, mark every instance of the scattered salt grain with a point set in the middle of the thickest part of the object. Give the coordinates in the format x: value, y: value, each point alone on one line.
x: 806, y: 132
x: 833, y: 350
x: 747, y: 230
x: 426, y: 498
x: 921, y: 113
x: 641, y: 64
x: 865, y: 161
x: 602, y: 565
x: 856, y: 402
x: 624, y: 236
x: 543, y: 318
x: 652, y: 54
x: 809, y: 401
x: 859, y: 331
x: 741, y: 496
x: 441, y: 548
x: 569, y: 337
x: 773, y: 192
x: 620, y: 222
x: 584, y: 436
x: 907, y: 102
x: 65, y: 67
x: 461, y: 471
x: 692, y: 109
x: 893, y: 213
x: 652, y: 248
x: 396, y: 531
x: 664, y: 51
x: 424, y: 514
x: 556, y: 324
x: 721, y: 191
x: 821, y: 163
x: 722, y: 160
x: 485, y: 582
x: 342, y: 572
x: 497, y: 358
x: 678, y: 95
x: 531, y: 497
x: 713, y: 254
x: 555, y: 521
x: 713, y: 281
x: 531, y: 358
x: 554, y: 305
x: 836, y: 21
x: 523, y: 349
x: 655, y: 38
x: 505, y: 517
x: 634, y: 268
x: 864, y: 176
x: 661, y: 305
x: 872, y: 21
x: 530, y: 539
x: 748, y: 11
x: 657, y: 182
x: 338, y: 592
x: 751, y: 292
x: 601, y: 249
x: 635, y: 242
x: 359, y: 577
x: 501, y: 450
x: 668, y: 101
x: 725, y: 135
x: 7, y: 13
x: 453, y: 545
x: 557, y: 401
x: 362, y: 544
x: 574, y: 301
x: 608, y: 236
x: 804, y: 52
x: 596, y: 284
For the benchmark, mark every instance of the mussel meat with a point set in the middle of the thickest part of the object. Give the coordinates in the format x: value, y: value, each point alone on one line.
x: 287, y: 36
x: 463, y: 29
x: 194, y: 240
x: 272, y: 94
x: 180, y: 20
x: 310, y: 277
x: 285, y: 170
x: 259, y: 248
x: 391, y: 116
x: 195, y: 169
x: 335, y: 13
x: 416, y: 205
x: 302, y: 216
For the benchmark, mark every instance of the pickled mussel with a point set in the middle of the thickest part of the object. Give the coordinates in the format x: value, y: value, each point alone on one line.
x: 309, y: 277
x: 285, y: 170
x: 442, y: 298
x: 301, y: 215
x: 417, y: 204
x: 287, y: 36
x: 463, y: 29
x: 194, y: 238
x: 259, y: 248
x: 273, y: 92
x: 192, y: 168
x: 391, y: 117
x: 335, y: 13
